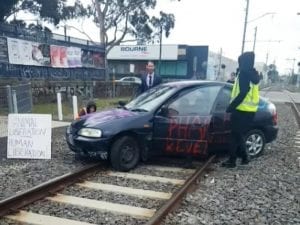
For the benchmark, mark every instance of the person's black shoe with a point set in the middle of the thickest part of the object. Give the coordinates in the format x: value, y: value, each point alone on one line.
x: 245, y: 161
x: 229, y: 164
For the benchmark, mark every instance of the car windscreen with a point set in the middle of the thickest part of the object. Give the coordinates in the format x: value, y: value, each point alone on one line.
x: 150, y: 99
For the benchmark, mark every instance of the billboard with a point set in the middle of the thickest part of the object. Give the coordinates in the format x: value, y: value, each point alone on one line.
x: 92, y: 59
x: 74, y: 57
x: 24, y: 52
x: 58, y: 56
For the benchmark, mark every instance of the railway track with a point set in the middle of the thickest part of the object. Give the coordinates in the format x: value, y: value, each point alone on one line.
x: 148, y: 195
x: 294, y: 106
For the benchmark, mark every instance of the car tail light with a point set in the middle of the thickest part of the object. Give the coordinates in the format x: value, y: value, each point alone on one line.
x: 273, y: 112
x: 274, y: 118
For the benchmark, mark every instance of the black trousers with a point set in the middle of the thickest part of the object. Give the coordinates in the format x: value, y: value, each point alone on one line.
x: 241, y: 122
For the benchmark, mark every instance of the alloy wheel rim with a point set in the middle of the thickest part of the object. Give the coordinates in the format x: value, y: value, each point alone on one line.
x: 127, y: 154
x: 254, y: 144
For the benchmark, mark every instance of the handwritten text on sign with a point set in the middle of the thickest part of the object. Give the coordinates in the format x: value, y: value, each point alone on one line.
x: 29, y: 136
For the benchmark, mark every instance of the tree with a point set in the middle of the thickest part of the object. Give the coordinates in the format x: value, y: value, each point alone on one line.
x: 53, y: 11
x: 273, y: 74
x: 126, y: 19
x: 118, y: 20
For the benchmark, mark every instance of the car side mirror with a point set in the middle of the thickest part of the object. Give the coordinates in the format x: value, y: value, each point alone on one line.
x: 122, y: 103
x: 164, y: 111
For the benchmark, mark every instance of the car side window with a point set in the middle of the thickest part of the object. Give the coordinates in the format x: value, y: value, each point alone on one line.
x: 223, y: 100
x: 195, y: 102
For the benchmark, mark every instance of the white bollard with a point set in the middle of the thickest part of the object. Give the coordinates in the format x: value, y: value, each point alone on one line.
x: 15, y: 101
x: 59, y: 106
x: 75, y: 106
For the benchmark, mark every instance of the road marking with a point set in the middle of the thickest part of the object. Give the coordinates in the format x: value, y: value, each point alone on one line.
x: 126, y: 190
x: 37, y: 219
x: 146, y: 178
x: 133, y: 211
x: 169, y: 169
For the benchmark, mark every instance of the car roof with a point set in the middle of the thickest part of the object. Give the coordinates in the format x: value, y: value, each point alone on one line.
x: 191, y: 83
x: 129, y: 77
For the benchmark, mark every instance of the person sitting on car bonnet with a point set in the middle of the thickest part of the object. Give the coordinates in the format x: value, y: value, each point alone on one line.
x: 90, y: 108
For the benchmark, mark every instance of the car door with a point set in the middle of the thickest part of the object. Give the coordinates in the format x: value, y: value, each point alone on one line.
x: 220, y: 121
x: 181, y: 125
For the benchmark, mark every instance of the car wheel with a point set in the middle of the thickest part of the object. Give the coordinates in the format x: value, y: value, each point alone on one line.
x: 255, y: 143
x: 124, y: 154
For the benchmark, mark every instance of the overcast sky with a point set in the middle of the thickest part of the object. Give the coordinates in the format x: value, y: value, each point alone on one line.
x: 219, y: 24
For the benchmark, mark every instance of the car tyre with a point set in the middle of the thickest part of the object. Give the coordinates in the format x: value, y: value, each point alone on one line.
x: 125, y: 154
x: 255, y: 143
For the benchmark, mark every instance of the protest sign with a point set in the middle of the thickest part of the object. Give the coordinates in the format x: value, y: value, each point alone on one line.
x: 29, y: 136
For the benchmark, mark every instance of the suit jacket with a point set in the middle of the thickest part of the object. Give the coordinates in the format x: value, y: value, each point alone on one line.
x: 144, y: 86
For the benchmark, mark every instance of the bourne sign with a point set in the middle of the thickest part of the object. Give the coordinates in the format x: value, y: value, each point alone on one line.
x: 143, y: 52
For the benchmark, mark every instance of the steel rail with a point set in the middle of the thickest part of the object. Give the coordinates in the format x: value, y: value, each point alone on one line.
x: 12, y: 204
x: 295, y: 109
x: 177, y: 197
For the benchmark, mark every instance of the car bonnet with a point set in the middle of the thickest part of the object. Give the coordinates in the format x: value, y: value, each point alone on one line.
x: 96, y: 118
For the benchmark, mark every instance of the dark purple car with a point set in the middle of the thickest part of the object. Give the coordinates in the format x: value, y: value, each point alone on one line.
x: 178, y: 118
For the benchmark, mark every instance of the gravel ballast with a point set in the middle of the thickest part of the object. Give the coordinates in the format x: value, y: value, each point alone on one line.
x: 17, y: 175
x: 264, y: 192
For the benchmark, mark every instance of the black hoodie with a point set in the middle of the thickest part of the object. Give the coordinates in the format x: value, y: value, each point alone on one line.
x: 247, y: 74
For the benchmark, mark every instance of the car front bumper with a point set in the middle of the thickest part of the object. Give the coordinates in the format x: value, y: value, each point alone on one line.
x: 88, y: 146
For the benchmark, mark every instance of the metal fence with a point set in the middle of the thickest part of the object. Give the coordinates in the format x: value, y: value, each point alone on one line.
x: 41, y: 97
x: 3, y: 101
x: 16, y: 99
x: 15, y: 31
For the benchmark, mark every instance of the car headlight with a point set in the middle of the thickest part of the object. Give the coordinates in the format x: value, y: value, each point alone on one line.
x: 90, y: 132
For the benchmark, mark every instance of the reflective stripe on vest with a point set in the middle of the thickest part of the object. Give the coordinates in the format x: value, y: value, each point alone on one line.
x: 250, y: 102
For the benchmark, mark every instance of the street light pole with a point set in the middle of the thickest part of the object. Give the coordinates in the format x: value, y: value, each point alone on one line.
x: 245, y: 26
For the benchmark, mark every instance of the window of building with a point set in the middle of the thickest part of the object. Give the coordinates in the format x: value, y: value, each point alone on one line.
x: 177, y: 68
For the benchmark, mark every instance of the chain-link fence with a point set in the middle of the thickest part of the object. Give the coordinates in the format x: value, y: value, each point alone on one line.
x: 41, y: 97
x: 105, y: 94
x: 15, y: 99
x: 3, y: 101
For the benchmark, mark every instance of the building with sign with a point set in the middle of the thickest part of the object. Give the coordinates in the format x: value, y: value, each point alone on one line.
x: 176, y: 61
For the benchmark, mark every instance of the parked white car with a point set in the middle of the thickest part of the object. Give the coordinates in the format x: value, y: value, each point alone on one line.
x: 129, y: 80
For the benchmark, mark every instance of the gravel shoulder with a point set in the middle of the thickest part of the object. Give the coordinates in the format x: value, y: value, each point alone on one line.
x: 264, y: 192
x: 17, y: 175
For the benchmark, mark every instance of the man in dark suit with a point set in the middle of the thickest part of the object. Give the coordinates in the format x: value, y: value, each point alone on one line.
x: 149, y: 79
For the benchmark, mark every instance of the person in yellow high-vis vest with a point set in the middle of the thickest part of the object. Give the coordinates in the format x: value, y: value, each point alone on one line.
x: 243, y: 106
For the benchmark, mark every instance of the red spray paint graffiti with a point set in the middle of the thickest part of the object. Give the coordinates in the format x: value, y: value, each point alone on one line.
x: 188, y: 134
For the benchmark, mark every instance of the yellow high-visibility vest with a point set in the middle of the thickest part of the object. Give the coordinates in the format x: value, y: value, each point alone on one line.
x: 250, y: 102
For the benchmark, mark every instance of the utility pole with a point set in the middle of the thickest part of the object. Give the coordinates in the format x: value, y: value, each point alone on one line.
x: 160, y: 48
x: 255, y: 33
x: 245, y: 26
x: 65, y: 32
x: 220, y: 62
